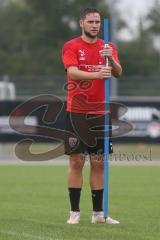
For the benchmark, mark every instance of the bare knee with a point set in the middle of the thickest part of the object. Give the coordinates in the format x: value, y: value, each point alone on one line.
x: 76, y: 162
x: 97, y: 163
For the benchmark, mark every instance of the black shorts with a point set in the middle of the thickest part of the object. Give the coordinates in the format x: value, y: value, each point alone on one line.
x: 85, y: 134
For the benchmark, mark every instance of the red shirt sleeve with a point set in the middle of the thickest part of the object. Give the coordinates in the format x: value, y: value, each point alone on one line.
x: 69, y: 55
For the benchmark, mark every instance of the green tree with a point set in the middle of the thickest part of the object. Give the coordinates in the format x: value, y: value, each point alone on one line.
x: 34, y: 32
x: 140, y: 58
x: 154, y: 18
x: 139, y: 55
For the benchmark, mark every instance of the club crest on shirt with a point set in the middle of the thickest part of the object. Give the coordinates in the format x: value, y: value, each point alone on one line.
x: 82, y: 55
x: 72, y: 141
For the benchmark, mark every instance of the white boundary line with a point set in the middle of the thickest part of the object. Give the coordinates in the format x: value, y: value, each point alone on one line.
x: 25, y: 235
x: 64, y: 162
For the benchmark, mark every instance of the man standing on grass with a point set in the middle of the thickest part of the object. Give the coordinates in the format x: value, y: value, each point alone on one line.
x: 84, y: 61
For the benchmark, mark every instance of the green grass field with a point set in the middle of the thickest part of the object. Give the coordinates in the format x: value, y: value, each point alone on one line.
x: 34, y: 204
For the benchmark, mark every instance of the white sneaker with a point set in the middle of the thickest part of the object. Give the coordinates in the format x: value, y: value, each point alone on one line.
x: 109, y: 220
x: 98, y: 217
x: 74, y: 217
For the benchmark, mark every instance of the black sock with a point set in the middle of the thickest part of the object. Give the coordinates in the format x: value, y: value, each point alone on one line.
x: 97, y: 200
x: 74, y: 195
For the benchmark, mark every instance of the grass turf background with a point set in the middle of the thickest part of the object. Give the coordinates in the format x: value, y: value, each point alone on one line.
x: 34, y: 204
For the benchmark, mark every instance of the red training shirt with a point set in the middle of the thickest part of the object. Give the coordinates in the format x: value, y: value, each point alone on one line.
x: 85, y: 96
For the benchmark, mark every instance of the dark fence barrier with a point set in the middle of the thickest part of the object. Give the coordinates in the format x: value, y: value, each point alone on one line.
x: 42, y: 118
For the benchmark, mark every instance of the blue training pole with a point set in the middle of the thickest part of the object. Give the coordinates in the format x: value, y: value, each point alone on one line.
x: 106, y: 141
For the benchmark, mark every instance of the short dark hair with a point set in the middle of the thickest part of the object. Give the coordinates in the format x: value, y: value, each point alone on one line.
x: 88, y: 10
